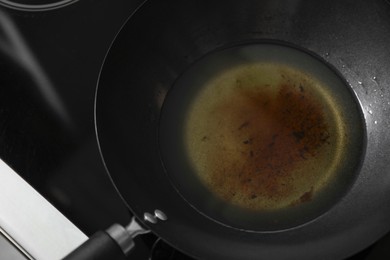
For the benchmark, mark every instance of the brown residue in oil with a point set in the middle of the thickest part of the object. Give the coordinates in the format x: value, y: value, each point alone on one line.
x: 245, y: 124
x: 306, y: 197
x: 277, y: 131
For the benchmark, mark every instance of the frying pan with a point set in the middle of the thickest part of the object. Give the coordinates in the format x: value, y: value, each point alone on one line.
x: 162, y: 39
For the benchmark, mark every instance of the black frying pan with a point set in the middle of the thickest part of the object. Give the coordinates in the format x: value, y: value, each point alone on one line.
x: 165, y: 38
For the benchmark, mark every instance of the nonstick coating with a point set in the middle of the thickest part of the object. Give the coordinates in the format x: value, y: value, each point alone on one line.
x: 163, y: 38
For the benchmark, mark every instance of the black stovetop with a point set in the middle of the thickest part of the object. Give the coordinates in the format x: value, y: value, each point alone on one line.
x: 49, y: 66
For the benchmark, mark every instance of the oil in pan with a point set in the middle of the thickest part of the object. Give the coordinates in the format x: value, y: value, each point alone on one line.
x: 262, y: 136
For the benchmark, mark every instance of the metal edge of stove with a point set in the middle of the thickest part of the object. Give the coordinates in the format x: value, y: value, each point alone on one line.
x: 31, y: 223
x: 15, y: 244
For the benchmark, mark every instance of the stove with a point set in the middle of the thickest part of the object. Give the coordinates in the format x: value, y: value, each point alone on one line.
x: 51, y: 54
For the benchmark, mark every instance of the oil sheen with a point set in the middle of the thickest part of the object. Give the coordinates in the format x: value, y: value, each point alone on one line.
x: 263, y: 128
x: 264, y: 136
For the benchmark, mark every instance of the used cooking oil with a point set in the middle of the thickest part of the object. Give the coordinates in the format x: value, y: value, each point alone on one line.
x: 261, y: 136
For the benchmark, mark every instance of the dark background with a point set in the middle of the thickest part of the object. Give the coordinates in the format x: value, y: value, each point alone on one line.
x: 54, y: 147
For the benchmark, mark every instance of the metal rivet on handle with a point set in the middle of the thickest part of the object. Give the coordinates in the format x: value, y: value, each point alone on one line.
x: 150, y: 218
x: 158, y: 215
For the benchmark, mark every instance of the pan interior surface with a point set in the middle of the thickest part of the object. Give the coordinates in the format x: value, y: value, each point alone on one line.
x: 261, y: 136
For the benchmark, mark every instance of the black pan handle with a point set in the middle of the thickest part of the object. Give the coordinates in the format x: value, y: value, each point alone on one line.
x: 100, y: 246
x: 114, y: 243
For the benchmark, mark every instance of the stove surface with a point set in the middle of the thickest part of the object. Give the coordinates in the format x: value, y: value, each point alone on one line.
x: 51, y: 54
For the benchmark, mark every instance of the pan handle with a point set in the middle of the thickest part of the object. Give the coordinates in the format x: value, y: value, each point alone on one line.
x: 114, y: 243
